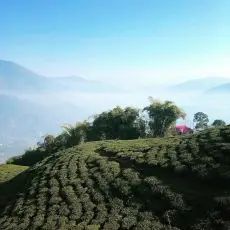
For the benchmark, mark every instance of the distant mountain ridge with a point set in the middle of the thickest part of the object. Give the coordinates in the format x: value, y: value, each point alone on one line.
x: 223, y: 88
x: 202, y: 84
x: 14, y: 77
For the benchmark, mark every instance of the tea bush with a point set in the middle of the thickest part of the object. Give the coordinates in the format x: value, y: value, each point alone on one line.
x: 170, y: 183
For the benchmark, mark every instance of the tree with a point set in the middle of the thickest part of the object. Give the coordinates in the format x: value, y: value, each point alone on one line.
x: 61, y: 141
x: 162, y: 115
x: 76, y: 134
x: 119, y: 123
x: 218, y: 123
x: 201, y: 120
x: 47, y: 144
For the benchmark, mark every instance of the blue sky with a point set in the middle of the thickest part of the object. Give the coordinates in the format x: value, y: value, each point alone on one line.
x: 118, y: 40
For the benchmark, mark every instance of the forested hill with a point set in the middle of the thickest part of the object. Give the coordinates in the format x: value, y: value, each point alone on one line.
x: 166, y: 183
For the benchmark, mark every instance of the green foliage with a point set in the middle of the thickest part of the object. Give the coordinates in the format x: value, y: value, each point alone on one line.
x: 201, y: 121
x: 162, y: 116
x: 218, y: 123
x: 30, y: 157
x: 47, y: 143
x: 93, y: 227
x: 119, y: 123
x: 76, y: 134
x: 160, y: 183
x: 8, y: 171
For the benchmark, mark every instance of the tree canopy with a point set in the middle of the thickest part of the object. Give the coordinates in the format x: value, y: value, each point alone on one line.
x: 119, y: 123
x: 162, y: 115
x: 201, y: 120
x: 75, y: 134
x: 218, y: 123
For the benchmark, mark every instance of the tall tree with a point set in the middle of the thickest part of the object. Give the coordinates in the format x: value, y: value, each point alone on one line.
x: 162, y: 115
x: 119, y: 123
x: 75, y: 134
x: 47, y: 144
x: 201, y: 120
x: 218, y: 123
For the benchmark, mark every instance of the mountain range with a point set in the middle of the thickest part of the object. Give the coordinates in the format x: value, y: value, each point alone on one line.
x: 14, y: 77
x: 220, y: 89
x: 207, y: 84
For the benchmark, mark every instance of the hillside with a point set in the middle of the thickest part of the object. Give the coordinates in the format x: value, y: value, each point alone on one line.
x: 168, y: 183
x: 9, y: 171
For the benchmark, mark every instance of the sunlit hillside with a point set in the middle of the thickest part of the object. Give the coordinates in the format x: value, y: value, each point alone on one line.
x: 167, y: 183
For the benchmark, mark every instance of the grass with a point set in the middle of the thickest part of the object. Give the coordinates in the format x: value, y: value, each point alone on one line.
x: 8, y: 171
x: 168, y: 183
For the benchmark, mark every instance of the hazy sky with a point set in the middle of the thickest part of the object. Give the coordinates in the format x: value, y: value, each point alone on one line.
x: 115, y: 40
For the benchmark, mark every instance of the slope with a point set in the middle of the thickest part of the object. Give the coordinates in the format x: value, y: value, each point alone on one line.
x: 171, y: 183
x: 9, y: 171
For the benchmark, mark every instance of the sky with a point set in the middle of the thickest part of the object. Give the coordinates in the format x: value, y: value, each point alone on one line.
x: 118, y: 41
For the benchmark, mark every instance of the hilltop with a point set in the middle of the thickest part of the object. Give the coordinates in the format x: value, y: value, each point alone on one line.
x: 160, y: 183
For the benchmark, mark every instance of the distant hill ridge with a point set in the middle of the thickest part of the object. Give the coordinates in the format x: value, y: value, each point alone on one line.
x: 201, y: 84
x: 18, y: 78
x: 223, y: 88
